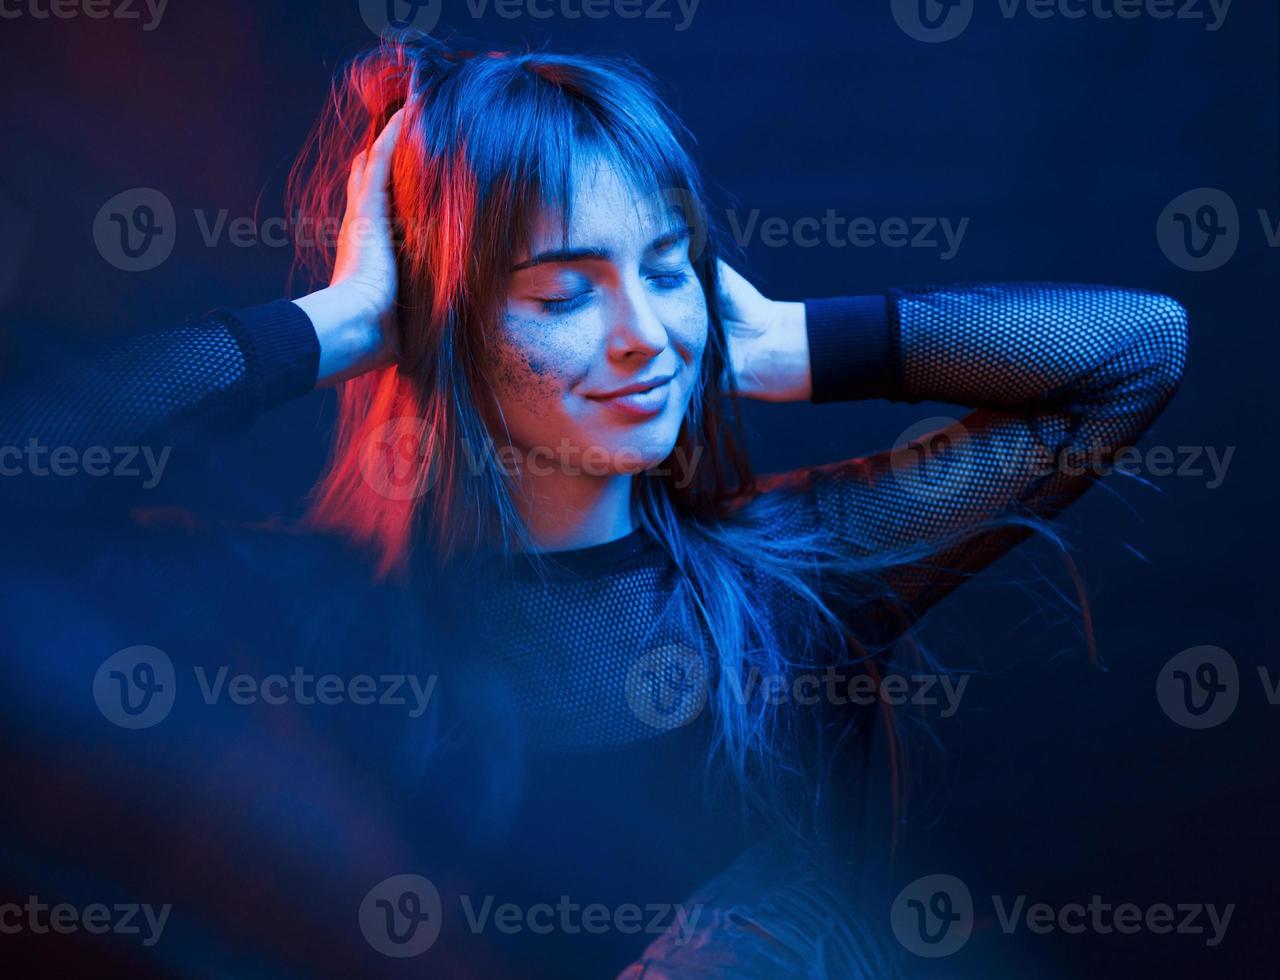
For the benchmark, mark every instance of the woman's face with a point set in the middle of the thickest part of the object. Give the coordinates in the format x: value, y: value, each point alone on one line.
x: 615, y: 306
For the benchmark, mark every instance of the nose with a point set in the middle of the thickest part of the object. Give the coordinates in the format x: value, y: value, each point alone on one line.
x: 636, y: 333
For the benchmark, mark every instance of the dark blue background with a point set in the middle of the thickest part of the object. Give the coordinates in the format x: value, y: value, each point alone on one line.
x: 1061, y: 140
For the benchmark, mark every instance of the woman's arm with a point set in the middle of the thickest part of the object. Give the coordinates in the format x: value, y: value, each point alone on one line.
x: 1060, y: 377
x: 104, y: 425
x: 126, y: 410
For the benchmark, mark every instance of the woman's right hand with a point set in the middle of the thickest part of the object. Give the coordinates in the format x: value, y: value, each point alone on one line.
x: 354, y: 316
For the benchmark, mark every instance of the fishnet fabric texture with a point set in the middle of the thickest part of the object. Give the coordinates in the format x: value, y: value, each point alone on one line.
x: 1056, y: 376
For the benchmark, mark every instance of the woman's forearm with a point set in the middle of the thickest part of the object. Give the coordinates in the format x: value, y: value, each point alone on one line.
x: 1059, y: 379
x: 164, y: 392
x: 772, y: 362
x: 1090, y: 351
x: 1038, y: 347
x: 349, y: 332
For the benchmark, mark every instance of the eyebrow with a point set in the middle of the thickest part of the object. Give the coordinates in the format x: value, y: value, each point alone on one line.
x: 667, y: 239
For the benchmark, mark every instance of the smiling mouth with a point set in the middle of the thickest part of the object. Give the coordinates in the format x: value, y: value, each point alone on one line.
x: 634, y: 389
x: 637, y: 404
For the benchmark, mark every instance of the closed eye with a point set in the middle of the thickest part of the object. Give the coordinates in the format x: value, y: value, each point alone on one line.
x: 669, y: 280
x: 563, y: 304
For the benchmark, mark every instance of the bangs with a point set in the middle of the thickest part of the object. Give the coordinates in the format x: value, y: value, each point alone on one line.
x: 648, y: 160
x: 551, y: 119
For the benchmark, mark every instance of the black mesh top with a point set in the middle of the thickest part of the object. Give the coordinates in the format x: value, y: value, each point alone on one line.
x: 1051, y: 372
x: 1054, y: 371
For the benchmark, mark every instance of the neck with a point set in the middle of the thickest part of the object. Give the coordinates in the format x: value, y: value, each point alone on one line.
x: 564, y: 511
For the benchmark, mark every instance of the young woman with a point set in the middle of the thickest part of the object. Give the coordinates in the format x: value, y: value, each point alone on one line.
x: 537, y: 351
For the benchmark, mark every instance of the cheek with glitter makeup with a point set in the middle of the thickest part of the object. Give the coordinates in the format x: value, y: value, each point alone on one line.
x: 531, y: 370
x: 689, y: 326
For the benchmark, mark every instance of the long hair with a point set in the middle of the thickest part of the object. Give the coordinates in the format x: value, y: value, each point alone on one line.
x: 491, y: 138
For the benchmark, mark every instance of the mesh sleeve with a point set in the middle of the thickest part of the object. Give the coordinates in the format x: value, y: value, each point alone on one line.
x: 71, y: 438
x: 1059, y: 377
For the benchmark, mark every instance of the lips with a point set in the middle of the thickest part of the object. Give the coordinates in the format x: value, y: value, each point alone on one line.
x: 637, y: 401
x: 633, y: 388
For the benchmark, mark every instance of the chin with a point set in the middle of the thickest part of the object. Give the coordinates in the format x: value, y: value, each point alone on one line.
x: 634, y: 452
x: 647, y: 444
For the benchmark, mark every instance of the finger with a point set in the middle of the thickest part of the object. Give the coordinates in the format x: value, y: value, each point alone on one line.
x: 730, y: 284
x: 387, y: 138
x: 355, y: 177
x: 379, y: 163
x: 730, y: 278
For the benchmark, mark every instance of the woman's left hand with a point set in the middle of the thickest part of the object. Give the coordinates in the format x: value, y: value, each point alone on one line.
x: 355, y: 315
x: 768, y: 345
